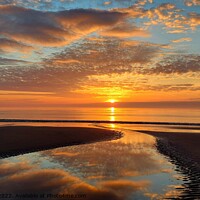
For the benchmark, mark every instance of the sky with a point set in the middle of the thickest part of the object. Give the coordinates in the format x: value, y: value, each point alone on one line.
x: 55, y: 53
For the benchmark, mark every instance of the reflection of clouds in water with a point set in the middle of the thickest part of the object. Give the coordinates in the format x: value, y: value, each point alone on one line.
x: 107, y: 159
x: 100, y: 170
x: 171, y: 193
x: 112, y: 118
x: 67, y: 154
x: 137, y: 139
x: 7, y: 168
x: 124, y: 187
x: 61, y: 182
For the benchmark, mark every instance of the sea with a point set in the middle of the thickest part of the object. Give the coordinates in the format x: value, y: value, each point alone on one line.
x: 108, y: 114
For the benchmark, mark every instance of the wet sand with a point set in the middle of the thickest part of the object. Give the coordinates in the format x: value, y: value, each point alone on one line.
x: 184, y: 143
x: 17, y: 140
x: 183, y: 149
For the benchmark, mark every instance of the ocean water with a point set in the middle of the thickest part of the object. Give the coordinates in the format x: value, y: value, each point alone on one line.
x: 109, y: 114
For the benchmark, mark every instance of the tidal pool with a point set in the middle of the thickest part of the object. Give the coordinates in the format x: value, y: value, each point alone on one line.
x: 127, y: 168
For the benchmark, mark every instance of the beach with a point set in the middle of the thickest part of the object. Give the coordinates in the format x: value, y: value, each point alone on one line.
x: 182, y: 148
x: 94, y: 161
x: 184, y: 143
x: 17, y: 140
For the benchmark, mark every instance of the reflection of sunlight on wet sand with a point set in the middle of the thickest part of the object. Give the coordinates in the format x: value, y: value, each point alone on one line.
x: 131, y: 137
x: 112, y: 126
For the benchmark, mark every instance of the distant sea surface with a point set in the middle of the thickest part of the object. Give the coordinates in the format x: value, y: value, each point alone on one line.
x: 110, y: 114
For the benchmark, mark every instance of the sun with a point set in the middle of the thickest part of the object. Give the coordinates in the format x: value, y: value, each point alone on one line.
x: 112, y: 100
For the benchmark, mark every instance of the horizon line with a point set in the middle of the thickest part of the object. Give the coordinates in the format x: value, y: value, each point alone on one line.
x: 98, y: 121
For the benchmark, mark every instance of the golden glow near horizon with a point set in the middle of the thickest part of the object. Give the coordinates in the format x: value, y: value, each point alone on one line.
x: 112, y: 100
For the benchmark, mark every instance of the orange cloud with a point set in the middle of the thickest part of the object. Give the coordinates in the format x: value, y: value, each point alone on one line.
x: 187, y: 39
x: 124, y: 30
x: 63, y: 72
x: 7, y: 45
x: 33, y: 27
x: 167, y: 14
x: 177, y: 64
x: 107, y: 3
x: 192, y: 2
x: 194, y: 19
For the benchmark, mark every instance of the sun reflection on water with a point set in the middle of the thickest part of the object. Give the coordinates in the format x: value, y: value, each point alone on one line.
x: 112, y: 118
x: 112, y: 110
x: 112, y: 113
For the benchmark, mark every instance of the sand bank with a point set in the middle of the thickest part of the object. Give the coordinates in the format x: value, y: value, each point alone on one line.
x: 183, y: 149
x: 17, y: 140
x: 184, y: 142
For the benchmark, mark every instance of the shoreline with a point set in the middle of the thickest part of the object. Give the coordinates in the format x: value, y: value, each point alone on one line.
x: 183, y: 150
x: 98, y: 121
x: 17, y: 140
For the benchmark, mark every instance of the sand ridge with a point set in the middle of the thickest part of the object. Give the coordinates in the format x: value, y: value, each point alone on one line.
x: 17, y: 140
x: 182, y: 149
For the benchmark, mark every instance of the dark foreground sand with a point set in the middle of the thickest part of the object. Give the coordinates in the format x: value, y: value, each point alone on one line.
x: 185, y: 143
x: 183, y: 149
x: 15, y: 140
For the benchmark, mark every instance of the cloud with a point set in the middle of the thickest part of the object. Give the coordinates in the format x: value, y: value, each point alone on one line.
x: 107, y: 2
x: 96, y: 56
x: 7, y: 61
x: 178, y: 64
x: 161, y: 13
x: 24, y: 93
x: 194, y: 19
x: 7, y: 46
x: 53, y: 29
x: 109, y: 51
x: 176, y: 31
x: 30, y: 26
x: 66, y: 71
x: 35, y: 78
x: 124, y: 30
x: 36, y: 4
x: 173, y: 19
x: 187, y: 39
x: 192, y: 3
x: 25, y: 29
x: 80, y: 68
x: 168, y: 87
